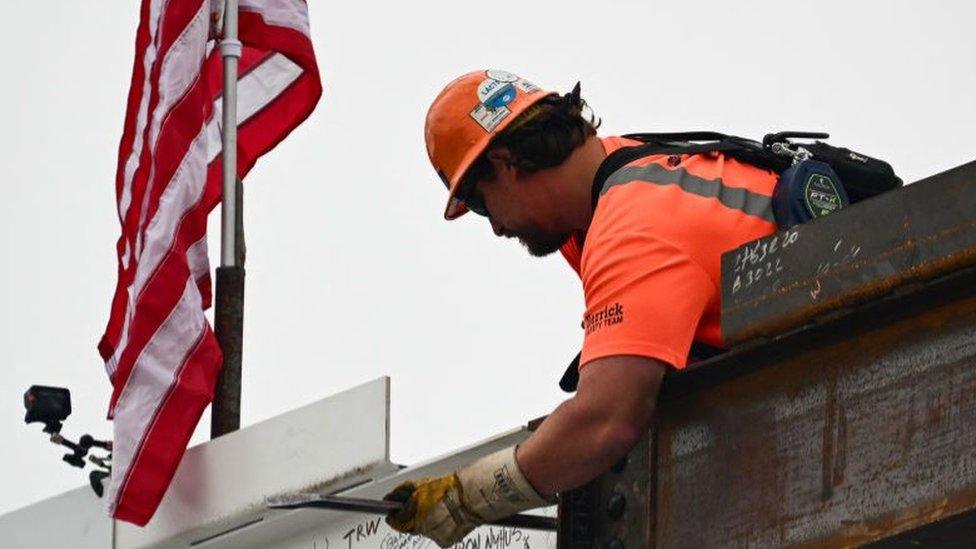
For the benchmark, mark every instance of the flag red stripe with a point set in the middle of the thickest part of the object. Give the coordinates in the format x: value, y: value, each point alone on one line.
x: 140, y: 445
x: 175, y: 18
x: 264, y: 130
x: 106, y: 345
x: 203, y: 286
x: 293, y: 44
x: 159, y: 455
x: 181, y: 127
x: 161, y: 293
x: 182, y: 113
x: 250, y: 58
x: 135, y: 96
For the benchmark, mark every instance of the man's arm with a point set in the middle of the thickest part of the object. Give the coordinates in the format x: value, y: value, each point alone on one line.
x: 612, y: 409
x: 584, y: 436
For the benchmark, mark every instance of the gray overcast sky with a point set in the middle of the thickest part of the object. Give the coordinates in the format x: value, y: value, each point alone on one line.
x: 352, y: 272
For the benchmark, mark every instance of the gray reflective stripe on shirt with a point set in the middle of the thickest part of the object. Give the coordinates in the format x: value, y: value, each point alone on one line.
x: 746, y: 201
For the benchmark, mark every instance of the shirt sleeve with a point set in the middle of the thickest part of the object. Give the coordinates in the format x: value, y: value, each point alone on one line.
x: 644, y: 296
x: 571, y: 253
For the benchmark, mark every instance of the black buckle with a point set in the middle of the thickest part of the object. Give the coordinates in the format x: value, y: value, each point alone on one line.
x: 781, y: 137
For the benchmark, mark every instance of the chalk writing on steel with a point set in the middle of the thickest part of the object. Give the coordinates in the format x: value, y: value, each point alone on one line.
x: 843, y: 253
x: 373, y: 533
x: 761, y: 260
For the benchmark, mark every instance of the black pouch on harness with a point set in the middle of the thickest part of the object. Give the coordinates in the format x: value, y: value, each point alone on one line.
x: 862, y: 175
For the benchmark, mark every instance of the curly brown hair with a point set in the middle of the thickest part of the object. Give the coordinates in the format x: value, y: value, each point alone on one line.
x: 541, y: 137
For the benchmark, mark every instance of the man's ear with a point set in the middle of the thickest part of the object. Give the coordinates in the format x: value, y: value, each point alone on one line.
x: 499, y: 154
x: 501, y: 159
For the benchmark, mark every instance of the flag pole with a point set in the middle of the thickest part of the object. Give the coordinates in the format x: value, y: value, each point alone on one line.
x: 225, y: 415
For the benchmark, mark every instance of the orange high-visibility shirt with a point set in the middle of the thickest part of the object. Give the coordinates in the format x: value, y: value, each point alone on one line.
x: 651, y: 259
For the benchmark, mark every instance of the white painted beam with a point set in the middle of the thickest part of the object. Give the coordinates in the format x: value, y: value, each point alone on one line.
x: 74, y: 519
x: 221, y: 485
x: 325, y: 529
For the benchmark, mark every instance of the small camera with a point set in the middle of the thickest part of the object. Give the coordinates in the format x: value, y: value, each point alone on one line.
x: 52, y: 406
x: 47, y: 405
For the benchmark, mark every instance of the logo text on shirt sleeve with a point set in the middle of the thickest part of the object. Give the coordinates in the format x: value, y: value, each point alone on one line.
x: 607, y: 316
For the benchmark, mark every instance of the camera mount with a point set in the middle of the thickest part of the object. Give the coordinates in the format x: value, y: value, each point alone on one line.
x: 52, y: 406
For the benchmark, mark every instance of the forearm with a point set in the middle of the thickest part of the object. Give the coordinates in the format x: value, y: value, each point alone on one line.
x: 588, y: 433
x: 612, y: 409
x: 574, y: 445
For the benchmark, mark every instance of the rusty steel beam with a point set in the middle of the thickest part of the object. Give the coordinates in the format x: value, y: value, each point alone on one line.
x: 846, y: 417
x: 859, y: 254
x: 845, y: 433
x: 614, y: 511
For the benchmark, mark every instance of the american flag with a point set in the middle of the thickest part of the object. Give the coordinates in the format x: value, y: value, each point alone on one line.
x: 159, y: 350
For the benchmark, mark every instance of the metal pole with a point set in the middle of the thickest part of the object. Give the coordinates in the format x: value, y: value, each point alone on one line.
x: 230, y: 50
x: 229, y: 313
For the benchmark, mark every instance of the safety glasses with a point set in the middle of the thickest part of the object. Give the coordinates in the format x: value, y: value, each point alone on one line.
x: 468, y: 193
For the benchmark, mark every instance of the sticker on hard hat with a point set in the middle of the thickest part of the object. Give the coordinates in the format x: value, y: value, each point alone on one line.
x: 526, y: 86
x: 501, y: 76
x: 489, y: 119
x: 494, y: 94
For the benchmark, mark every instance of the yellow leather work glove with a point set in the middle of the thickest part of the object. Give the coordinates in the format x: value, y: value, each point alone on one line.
x: 447, y: 508
x: 432, y: 508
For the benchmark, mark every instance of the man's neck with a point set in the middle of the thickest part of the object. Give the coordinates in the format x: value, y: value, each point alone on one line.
x: 580, y: 169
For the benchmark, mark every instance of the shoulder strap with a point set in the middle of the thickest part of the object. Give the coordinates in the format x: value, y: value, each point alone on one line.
x: 662, y: 137
x: 740, y: 148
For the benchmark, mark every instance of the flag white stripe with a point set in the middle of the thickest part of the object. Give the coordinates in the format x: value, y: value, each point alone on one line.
x: 196, y: 256
x: 180, y: 69
x: 181, y: 194
x: 259, y: 87
x: 132, y: 162
x: 126, y: 255
x: 151, y: 378
x: 292, y: 14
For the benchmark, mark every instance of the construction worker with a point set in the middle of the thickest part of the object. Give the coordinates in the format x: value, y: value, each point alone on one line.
x: 646, y: 243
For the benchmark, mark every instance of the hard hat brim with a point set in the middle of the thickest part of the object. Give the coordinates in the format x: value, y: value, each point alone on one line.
x: 455, y: 209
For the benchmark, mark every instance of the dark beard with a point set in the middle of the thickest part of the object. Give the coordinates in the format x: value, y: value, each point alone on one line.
x: 541, y: 244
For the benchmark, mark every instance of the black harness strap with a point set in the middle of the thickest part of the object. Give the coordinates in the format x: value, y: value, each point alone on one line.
x: 739, y: 148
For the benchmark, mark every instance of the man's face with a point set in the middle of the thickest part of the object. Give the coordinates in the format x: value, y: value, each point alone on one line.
x: 522, y: 209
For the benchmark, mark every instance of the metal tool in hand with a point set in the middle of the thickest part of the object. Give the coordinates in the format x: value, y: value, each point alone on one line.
x: 304, y: 500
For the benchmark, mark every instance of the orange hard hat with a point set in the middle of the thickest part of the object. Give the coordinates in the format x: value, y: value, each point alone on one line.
x: 464, y: 118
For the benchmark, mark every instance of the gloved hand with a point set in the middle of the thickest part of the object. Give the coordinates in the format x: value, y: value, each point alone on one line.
x: 433, y: 508
x: 447, y: 508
